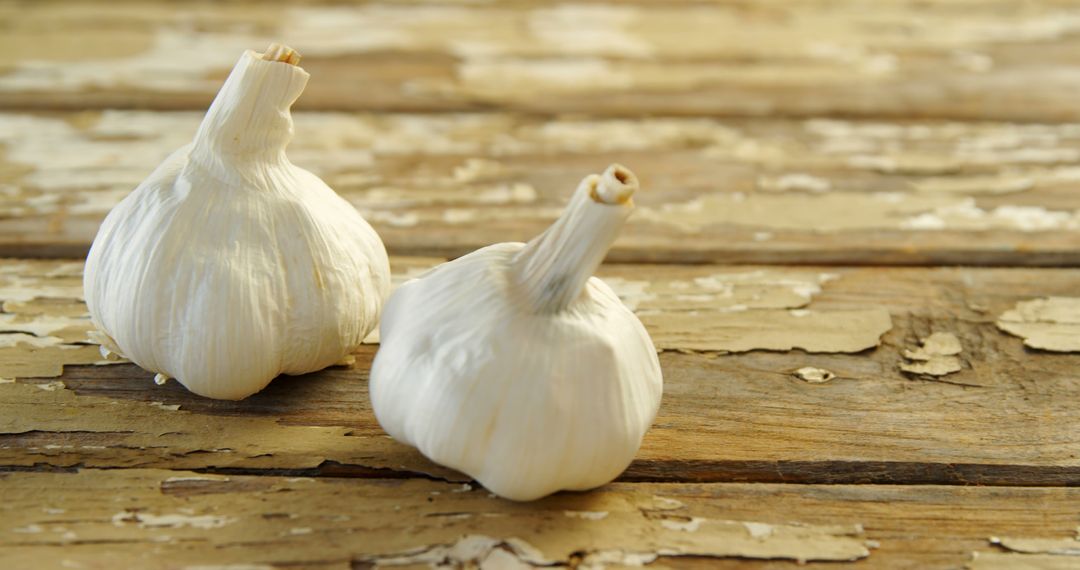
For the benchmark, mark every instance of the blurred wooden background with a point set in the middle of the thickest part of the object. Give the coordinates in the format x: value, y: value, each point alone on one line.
x: 827, y: 183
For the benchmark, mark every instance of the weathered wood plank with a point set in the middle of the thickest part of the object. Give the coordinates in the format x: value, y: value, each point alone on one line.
x: 170, y: 519
x: 758, y: 191
x: 1006, y: 418
x: 967, y: 60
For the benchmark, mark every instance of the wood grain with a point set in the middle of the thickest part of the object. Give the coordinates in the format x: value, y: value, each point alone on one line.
x: 731, y: 191
x: 171, y: 519
x: 968, y: 60
x: 1006, y: 418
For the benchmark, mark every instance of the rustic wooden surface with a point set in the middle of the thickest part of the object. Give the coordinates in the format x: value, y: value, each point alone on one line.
x: 715, y: 190
x: 837, y: 391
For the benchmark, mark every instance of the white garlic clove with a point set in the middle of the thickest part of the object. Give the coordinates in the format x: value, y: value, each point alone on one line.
x: 229, y: 265
x: 515, y: 366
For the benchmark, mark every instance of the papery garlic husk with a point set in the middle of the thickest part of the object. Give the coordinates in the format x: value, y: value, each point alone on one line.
x: 229, y: 265
x: 515, y: 366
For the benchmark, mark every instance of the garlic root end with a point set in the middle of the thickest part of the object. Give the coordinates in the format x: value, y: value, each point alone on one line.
x: 615, y: 186
x: 281, y: 53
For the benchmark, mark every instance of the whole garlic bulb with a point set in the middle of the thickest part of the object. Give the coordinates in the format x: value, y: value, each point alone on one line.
x: 229, y: 265
x: 515, y: 366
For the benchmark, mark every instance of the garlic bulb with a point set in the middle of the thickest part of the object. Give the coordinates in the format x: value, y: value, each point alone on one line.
x: 229, y: 265
x: 515, y: 366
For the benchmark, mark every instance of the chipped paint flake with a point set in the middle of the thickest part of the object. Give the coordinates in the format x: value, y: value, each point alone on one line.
x: 631, y: 293
x: 666, y: 503
x: 796, y: 181
x: 1016, y: 561
x: 851, y: 330
x: 139, y: 434
x: 1049, y: 323
x: 937, y: 356
x: 814, y: 375
x: 683, y: 524
x: 759, y: 530
x: 992, y: 185
x: 830, y: 211
x: 173, y: 520
x: 1059, y: 546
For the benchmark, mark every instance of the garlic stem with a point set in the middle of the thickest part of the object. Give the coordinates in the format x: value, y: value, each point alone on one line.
x: 553, y: 268
x: 249, y: 118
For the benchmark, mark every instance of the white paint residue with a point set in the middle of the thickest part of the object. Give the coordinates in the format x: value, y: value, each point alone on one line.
x: 691, y: 525
x: 476, y: 169
x: 28, y: 529
x: 146, y: 520
x: 622, y: 134
x: 229, y: 567
x: 157, y: 68
x: 972, y: 61
x: 1000, y: 184
x: 601, y: 559
x: 588, y: 30
x: 394, y: 219
x: 38, y: 325
x: 332, y: 31
x: 854, y: 55
x: 507, y: 194
x: 965, y: 215
x: 814, y: 375
x: 587, y: 515
x: 631, y: 293
x: 666, y: 504
x: 197, y: 478
x: 469, y: 551
x: 16, y: 338
x: 873, y: 162
x: 22, y: 289
x: 759, y: 530
x: 52, y: 386
x: 924, y: 222
x: 459, y: 215
x: 795, y: 181
x: 565, y: 75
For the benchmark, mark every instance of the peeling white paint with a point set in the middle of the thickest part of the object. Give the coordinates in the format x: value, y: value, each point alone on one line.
x: 631, y: 293
x: 178, y: 479
x: 972, y: 61
x: 814, y: 375
x: 759, y: 530
x: 794, y: 181
x: 504, y: 76
x: 586, y: 515
x: 476, y: 169
x: 691, y: 525
x: 147, y: 520
x: 587, y: 30
x: 666, y: 503
x: 51, y: 386
x: 157, y: 68
x: 965, y: 215
x: 28, y: 529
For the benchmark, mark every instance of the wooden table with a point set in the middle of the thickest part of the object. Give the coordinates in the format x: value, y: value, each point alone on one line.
x: 826, y: 185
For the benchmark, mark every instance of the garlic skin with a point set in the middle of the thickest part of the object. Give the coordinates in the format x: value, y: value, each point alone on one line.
x: 515, y: 366
x: 229, y: 265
